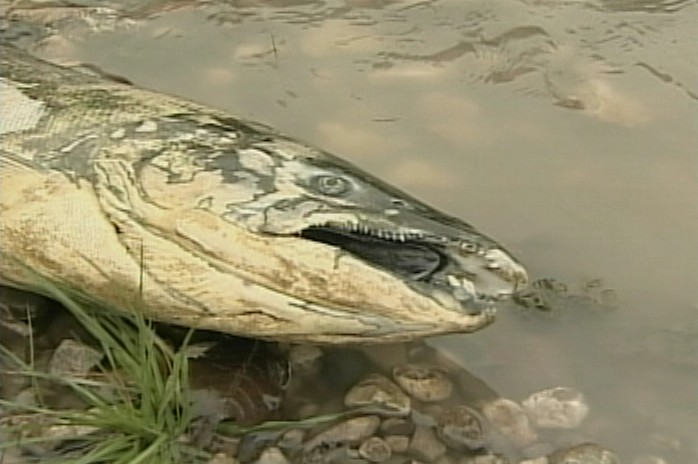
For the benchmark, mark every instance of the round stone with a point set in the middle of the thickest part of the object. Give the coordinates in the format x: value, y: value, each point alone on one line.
x: 381, y: 394
x: 485, y: 459
x: 375, y: 449
x: 460, y: 427
x: 272, y: 455
x: 397, y: 443
x: 425, y: 446
x: 586, y: 453
x: 423, y: 382
x: 304, y: 359
x: 511, y: 421
x: 351, y: 431
x: 560, y: 408
x: 73, y: 359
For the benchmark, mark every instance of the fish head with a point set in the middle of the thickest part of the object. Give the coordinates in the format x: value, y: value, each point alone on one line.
x: 307, y: 195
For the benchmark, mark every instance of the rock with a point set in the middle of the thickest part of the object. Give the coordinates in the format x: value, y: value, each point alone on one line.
x: 585, y: 453
x: 332, y: 454
x: 425, y: 446
x: 648, y: 459
x: 222, y: 458
x: 272, y: 455
x: 538, y: 460
x: 73, y: 359
x: 460, y: 428
x: 423, y: 382
x: 397, y: 426
x: 484, y: 459
x: 511, y: 421
x: 304, y: 359
x: 292, y: 439
x: 375, y: 449
x: 352, y: 431
x: 397, y: 443
x: 560, y: 408
x: 379, y: 393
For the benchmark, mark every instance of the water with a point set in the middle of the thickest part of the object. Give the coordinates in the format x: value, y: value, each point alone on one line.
x: 566, y: 129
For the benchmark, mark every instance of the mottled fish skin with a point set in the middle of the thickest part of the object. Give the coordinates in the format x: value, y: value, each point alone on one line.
x: 137, y: 199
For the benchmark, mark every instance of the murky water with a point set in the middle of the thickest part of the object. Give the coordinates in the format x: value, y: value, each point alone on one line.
x: 566, y: 129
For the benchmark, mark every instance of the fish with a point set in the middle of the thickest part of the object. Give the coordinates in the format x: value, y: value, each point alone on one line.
x: 136, y: 200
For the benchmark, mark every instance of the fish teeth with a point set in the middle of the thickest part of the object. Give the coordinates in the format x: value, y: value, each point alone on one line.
x: 453, y: 281
x: 468, y: 285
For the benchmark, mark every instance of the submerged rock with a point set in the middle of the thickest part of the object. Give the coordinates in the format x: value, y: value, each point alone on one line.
x: 425, y: 446
x: 423, y: 382
x: 460, y: 428
x: 381, y: 393
x: 352, y: 431
x: 585, y: 453
x: 560, y: 407
x: 511, y: 421
x: 375, y: 449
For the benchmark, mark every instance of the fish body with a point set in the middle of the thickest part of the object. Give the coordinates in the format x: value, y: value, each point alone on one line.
x: 135, y: 199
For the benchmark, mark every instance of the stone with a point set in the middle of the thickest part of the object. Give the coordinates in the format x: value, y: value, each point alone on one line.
x: 222, y: 458
x: 380, y: 394
x: 304, y: 359
x: 425, y: 446
x: 484, y: 459
x: 559, y: 408
x: 424, y: 382
x: 585, y: 453
x: 375, y: 449
x: 397, y: 443
x: 73, y: 359
x: 291, y: 439
x: 352, y: 431
x: 511, y: 421
x: 272, y: 455
x: 397, y: 426
x: 460, y: 428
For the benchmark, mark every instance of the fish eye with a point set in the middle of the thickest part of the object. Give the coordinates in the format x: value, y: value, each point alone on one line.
x: 333, y: 186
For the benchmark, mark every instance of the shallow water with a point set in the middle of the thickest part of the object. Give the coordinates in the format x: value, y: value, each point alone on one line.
x: 565, y: 129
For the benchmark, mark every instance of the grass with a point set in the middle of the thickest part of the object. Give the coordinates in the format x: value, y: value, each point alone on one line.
x: 139, y: 413
x: 139, y: 416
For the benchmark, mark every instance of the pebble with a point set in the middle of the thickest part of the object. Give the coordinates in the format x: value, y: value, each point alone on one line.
x: 375, y: 449
x: 351, y: 431
x: 304, y: 359
x: 560, y: 408
x: 397, y: 443
x: 511, y: 421
x: 73, y: 359
x: 585, y: 453
x: 425, y: 446
x: 272, y: 455
x: 484, y: 459
x: 397, y: 426
x: 424, y: 382
x: 460, y: 427
x: 649, y: 460
x: 222, y: 458
x: 381, y: 393
x: 538, y: 460
x: 292, y: 439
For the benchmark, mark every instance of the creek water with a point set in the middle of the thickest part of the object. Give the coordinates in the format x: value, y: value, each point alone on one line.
x: 566, y: 129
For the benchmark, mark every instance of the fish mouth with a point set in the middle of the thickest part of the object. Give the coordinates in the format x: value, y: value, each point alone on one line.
x: 463, y: 274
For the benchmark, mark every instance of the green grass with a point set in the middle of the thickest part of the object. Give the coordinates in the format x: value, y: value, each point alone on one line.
x: 140, y: 415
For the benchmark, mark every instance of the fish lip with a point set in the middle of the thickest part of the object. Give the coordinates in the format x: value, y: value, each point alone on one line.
x: 466, y: 272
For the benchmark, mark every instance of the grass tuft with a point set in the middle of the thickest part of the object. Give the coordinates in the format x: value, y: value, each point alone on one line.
x: 139, y: 415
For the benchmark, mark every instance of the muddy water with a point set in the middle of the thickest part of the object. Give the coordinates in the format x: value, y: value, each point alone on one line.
x: 565, y: 129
